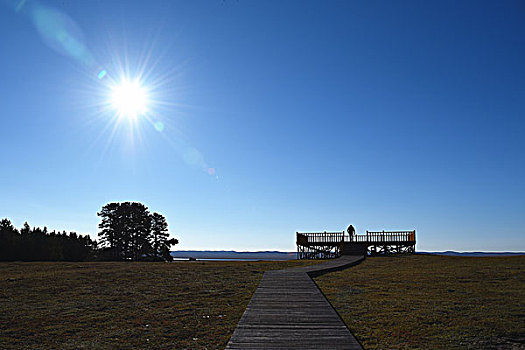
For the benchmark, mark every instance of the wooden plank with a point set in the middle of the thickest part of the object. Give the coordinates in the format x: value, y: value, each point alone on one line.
x: 288, y: 311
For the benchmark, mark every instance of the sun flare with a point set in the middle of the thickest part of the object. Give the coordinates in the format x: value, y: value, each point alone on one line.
x: 129, y: 99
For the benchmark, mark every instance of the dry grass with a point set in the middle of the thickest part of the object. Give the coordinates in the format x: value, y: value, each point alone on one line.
x: 428, y: 302
x: 178, y: 305
x: 432, y: 302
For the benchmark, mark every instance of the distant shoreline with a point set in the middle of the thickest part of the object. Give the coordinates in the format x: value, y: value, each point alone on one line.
x: 453, y: 253
x: 230, y: 259
x: 231, y: 255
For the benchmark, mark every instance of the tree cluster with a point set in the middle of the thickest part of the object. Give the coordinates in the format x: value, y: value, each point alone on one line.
x: 36, y: 244
x: 129, y: 231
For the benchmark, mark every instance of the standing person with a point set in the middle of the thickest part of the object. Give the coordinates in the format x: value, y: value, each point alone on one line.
x: 351, y: 232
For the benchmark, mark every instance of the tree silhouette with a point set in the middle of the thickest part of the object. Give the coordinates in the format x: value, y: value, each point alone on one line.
x: 110, y: 229
x: 36, y: 244
x: 8, y: 239
x: 128, y: 231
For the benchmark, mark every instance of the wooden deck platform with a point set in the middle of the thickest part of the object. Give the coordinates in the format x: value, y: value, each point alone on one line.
x: 288, y: 311
x: 329, y: 245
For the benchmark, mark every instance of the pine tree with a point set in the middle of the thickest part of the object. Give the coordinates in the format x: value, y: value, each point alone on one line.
x: 8, y: 240
x: 125, y: 230
x: 130, y: 232
x: 160, y: 234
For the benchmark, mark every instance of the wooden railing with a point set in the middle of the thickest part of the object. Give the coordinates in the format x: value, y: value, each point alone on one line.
x: 304, y: 238
x: 320, y: 237
x: 385, y: 236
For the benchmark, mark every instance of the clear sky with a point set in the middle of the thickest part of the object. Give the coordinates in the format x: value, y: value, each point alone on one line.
x: 269, y: 117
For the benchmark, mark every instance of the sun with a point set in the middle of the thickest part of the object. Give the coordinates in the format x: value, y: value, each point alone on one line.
x: 129, y: 99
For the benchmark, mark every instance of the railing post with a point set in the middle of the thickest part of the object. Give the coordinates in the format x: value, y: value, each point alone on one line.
x: 298, y: 256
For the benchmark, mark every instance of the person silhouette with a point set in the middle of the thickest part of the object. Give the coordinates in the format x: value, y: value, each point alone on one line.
x: 351, y: 232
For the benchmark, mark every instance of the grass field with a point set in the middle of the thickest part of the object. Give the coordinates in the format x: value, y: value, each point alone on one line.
x: 432, y: 302
x: 180, y: 305
x: 428, y: 302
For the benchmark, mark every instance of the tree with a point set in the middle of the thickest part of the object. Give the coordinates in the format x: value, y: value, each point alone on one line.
x: 159, y: 233
x: 26, y: 229
x: 128, y: 231
x: 7, y: 226
x: 111, y: 230
x: 36, y: 244
x: 160, y: 242
x: 125, y: 229
x: 8, y: 240
x: 138, y: 226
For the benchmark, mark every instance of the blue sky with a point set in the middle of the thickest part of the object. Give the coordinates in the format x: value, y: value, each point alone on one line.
x: 313, y: 115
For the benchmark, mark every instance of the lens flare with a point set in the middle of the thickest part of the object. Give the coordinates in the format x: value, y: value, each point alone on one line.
x: 102, y: 74
x: 60, y: 32
x: 159, y: 126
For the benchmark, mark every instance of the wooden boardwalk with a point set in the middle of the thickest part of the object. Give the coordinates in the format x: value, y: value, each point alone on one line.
x: 288, y: 311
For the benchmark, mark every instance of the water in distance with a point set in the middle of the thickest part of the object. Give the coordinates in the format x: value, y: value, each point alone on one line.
x: 224, y: 255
